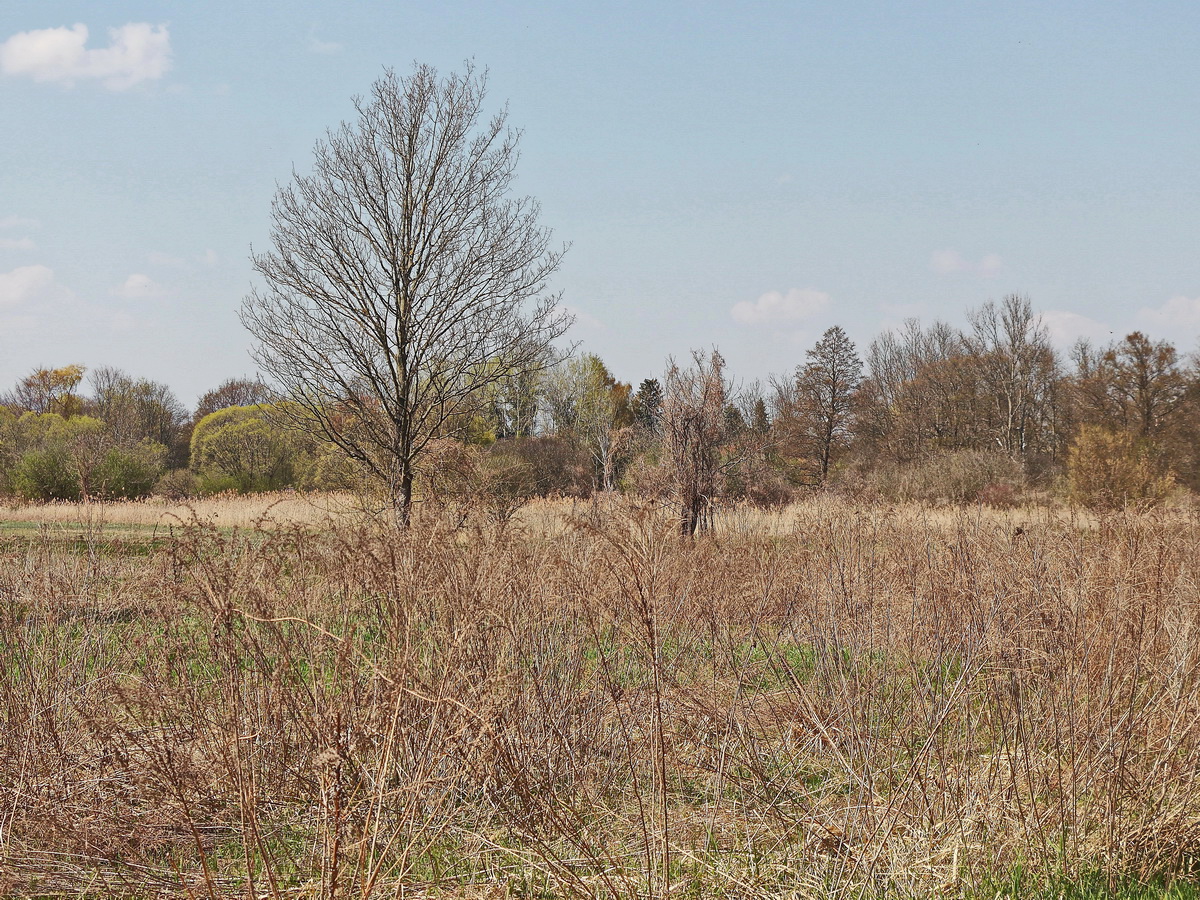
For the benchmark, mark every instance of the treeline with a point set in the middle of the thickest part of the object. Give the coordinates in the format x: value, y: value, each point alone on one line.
x: 990, y: 414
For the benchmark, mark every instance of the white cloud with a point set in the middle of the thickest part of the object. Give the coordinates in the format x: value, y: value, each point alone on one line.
x: 157, y: 258
x: 1066, y: 328
x: 948, y: 262
x: 775, y: 306
x: 17, y: 222
x: 210, y: 257
x: 951, y: 262
x: 28, y: 284
x: 990, y: 266
x: 136, y: 52
x: 1179, y: 312
x: 139, y: 287
x: 17, y: 244
x: 324, y: 48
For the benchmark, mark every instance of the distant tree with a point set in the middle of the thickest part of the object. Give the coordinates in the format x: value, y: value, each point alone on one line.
x: 693, y: 420
x: 242, y: 448
x: 585, y: 403
x: 233, y: 392
x: 138, y: 410
x: 404, y: 280
x: 1018, y: 374
x: 1135, y: 384
x: 825, y: 390
x: 70, y: 459
x: 48, y: 391
x: 514, y: 405
x: 646, y: 404
x: 760, y: 421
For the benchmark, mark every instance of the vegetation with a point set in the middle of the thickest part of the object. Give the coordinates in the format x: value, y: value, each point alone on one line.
x: 836, y: 699
x: 913, y: 623
x: 404, y: 282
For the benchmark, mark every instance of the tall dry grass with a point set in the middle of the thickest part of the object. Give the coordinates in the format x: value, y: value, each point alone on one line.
x: 857, y: 700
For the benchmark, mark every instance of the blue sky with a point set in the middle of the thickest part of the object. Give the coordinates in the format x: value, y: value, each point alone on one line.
x: 743, y: 175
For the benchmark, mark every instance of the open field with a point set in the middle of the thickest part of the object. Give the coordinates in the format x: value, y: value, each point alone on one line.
x: 831, y: 700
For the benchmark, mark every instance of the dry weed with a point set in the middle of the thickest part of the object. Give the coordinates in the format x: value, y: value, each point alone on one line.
x: 825, y: 699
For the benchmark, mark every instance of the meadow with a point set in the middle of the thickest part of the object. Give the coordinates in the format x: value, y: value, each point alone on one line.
x: 280, y: 697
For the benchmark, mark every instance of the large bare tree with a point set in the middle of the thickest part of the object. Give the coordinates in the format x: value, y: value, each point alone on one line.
x: 404, y: 277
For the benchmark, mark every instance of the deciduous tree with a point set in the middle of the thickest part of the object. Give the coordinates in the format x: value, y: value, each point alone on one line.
x: 404, y: 277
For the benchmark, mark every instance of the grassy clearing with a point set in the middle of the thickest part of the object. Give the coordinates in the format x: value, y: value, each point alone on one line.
x: 831, y: 700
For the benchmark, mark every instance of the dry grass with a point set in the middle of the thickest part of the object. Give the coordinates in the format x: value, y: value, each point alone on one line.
x: 225, y: 511
x: 833, y: 700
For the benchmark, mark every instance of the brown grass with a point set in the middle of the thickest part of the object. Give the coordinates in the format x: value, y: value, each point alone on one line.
x: 224, y: 510
x: 835, y: 699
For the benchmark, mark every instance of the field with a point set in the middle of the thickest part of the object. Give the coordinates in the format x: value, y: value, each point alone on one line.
x: 278, y: 697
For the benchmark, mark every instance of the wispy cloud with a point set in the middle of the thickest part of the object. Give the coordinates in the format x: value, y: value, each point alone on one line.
x: 139, y: 287
x: 17, y: 222
x: 136, y: 52
x: 324, y: 48
x: 26, y: 285
x: 778, y: 307
x: 1065, y: 327
x: 1178, y: 313
x: 951, y: 262
x: 17, y: 244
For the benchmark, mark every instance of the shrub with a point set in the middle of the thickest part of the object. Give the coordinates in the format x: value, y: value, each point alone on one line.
x: 554, y: 465
x: 1107, y: 469
x: 758, y: 480
x: 130, y: 473
x: 955, y: 476
x: 177, y: 484
x: 241, y: 449
x: 46, y: 475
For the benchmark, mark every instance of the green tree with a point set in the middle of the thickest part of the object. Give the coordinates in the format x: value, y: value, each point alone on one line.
x: 585, y: 403
x: 241, y: 448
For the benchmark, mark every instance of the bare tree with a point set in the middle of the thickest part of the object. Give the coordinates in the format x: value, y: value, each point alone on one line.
x: 404, y: 278
x: 1019, y: 373
x: 233, y: 392
x: 693, y: 428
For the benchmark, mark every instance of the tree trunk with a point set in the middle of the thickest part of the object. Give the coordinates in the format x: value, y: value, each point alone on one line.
x: 402, y: 499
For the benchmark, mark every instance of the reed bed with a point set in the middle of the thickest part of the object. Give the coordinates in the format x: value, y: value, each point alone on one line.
x: 854, y: 701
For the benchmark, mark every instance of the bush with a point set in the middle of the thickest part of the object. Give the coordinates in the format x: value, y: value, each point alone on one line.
x: 759, y: 481
x: 955, y: 476
x: 130, y: 473
x: 554, y: 466
x: 241, y: 449
x: 177, y: 484
x: 328, y: 469
x: 1107, y: 469
x: 46, y: 475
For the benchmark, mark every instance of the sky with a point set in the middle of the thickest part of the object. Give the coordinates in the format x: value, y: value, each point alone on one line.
x: 739, y: 175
